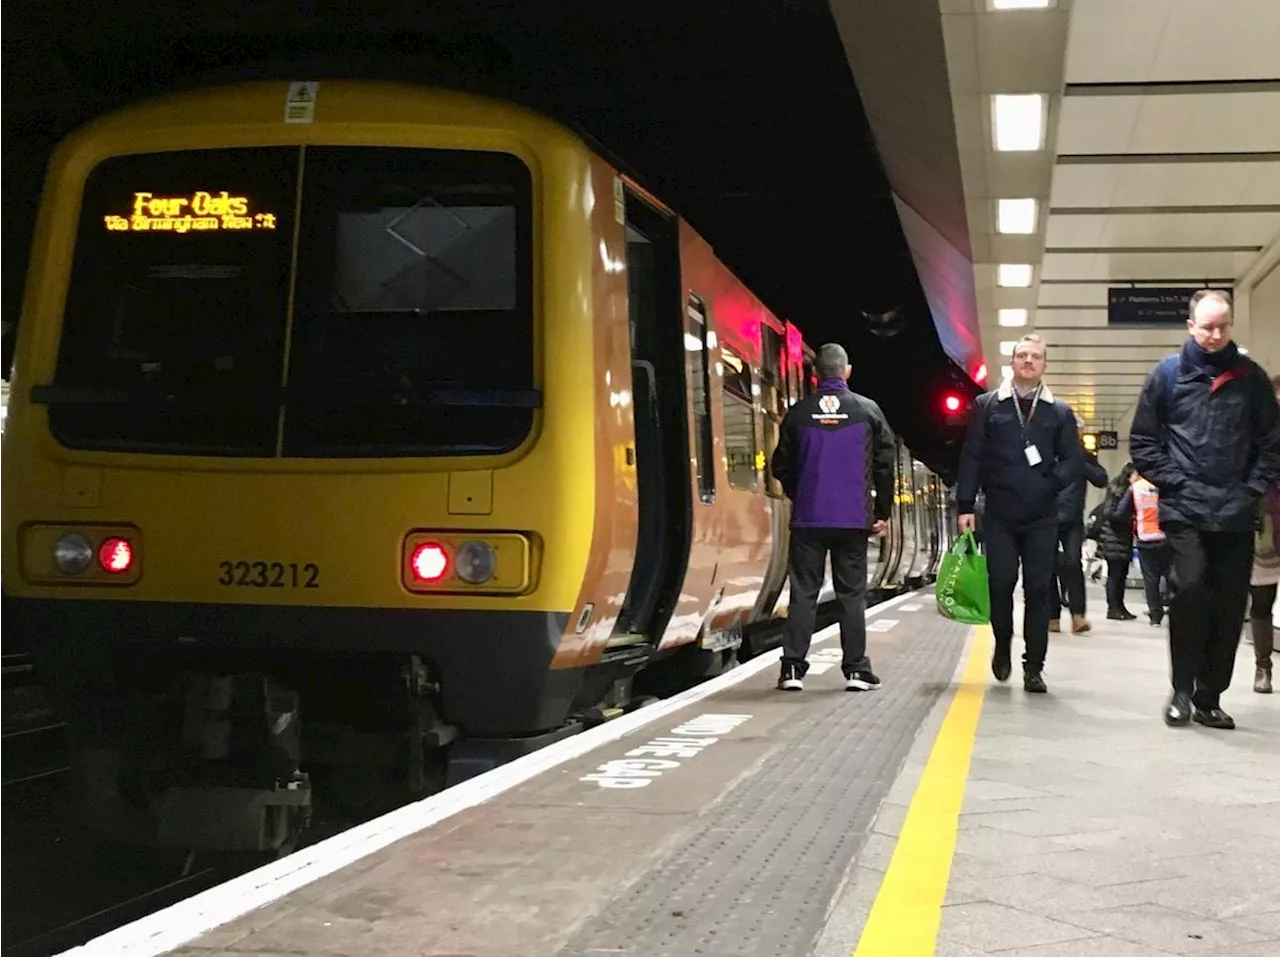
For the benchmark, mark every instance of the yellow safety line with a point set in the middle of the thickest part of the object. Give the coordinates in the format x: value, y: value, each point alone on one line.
x: 908, y: 907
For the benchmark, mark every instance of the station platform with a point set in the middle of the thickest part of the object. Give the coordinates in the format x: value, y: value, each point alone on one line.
x: 943, y: 814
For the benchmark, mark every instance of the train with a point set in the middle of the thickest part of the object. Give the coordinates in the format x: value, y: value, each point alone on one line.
x: 363, y: 436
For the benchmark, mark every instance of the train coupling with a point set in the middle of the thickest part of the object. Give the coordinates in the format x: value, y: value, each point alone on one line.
x: 234, y: 818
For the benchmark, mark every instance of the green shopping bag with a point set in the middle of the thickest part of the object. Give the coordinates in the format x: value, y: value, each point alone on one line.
x: 962, y: 592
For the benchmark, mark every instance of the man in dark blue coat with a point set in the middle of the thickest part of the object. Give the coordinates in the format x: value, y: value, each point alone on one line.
x: 1022, y: 449
x: 1207, y: 434
x: 834, y: 460
x: 1070, y: 571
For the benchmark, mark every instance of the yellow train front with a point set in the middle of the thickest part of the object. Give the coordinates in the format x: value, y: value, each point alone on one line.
x: 358, y: 424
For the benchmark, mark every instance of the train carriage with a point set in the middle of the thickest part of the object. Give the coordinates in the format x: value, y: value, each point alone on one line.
x: 359, y: 428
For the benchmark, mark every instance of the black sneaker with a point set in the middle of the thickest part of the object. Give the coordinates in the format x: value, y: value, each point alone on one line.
x: 861, y: 681
x: 1033, y: 682
x: 789, y: 679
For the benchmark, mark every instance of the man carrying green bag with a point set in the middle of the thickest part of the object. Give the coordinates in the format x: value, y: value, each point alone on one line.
x: 1021, y: 449
x: 963, y: 593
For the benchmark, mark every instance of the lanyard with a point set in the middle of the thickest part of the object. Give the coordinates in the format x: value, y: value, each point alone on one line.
x: 1017, y: 407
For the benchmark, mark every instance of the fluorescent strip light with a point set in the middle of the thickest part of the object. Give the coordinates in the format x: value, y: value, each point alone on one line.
x: 1018, y: 4
x: 1016, y: 216
x: 1011, y: 319
x: 1018, y: 121
x: 1014, y: 274
x: 1006, y: 347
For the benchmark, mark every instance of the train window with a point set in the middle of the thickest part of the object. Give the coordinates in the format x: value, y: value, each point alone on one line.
x: 810, y: 383
x: 773, y: 399
x: 413, y: 331
x: 696, y: 331
x: 739, y: 423
x: 173, y: 329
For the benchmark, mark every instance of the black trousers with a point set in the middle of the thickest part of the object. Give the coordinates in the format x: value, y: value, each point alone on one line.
x: 1070, y: 563
x: 1117, y: 572
x: 806, y: 561
x: 1035, y: 547
x: 1211, y: 584
x: 1155, y: 561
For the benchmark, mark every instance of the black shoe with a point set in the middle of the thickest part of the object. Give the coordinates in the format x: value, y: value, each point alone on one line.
x: 861, y: 681
x: 1033, y: 682
x: 1120, y: 614
x: 1000, y: 664
x: 1214, y: 718
x: 1178, y: 711
x: 789, y: 679
x: 1156, y: 621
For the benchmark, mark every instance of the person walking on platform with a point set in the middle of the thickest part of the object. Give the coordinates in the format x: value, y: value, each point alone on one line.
x: 834, y: 459
x: 1263, y: 581
x: 1207, y: 435
x: 1115, y: 544
x: 1070, y: 561
x: 1139, y: 510
x: 1022, y: 448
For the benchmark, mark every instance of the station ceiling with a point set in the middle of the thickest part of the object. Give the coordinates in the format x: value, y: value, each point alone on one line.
x: 743, y: 115
x: 1156, y: 163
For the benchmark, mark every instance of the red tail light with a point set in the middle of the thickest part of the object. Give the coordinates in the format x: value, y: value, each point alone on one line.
x: 430, y: 562
x: 115, y: 555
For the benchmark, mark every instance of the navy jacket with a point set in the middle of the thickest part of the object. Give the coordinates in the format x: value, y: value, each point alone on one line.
x: 1207, y: 435
x: 834, y: 449
x: 1071, y: 498
x: 993, y: 460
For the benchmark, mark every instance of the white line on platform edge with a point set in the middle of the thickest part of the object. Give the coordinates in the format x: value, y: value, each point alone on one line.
x: 186, y: 920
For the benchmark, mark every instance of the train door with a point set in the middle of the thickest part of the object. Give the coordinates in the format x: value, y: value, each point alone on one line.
x: 775, y: 387
x: 656, y: 313
x: 890, y: 545
x: 923, y: 524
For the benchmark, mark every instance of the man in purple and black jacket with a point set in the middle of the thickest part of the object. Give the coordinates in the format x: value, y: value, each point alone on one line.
x: 834, y: 459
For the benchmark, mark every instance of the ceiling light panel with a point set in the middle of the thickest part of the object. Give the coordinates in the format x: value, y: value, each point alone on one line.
x: 1019, y: 4
x: 1006, y: 347
x: 1016, y: 217
x: 1014, y: 275
x: 1011, y: 319
x: 1018, y: 121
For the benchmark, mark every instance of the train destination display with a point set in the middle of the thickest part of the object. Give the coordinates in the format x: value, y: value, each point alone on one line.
x: 201, y: 211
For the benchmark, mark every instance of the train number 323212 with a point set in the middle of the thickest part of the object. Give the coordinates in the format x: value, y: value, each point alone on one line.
x: 269, y: 574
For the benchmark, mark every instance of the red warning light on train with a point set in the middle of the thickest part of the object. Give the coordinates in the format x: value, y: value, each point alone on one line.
x: 430, y: 562
x: 115, y: 555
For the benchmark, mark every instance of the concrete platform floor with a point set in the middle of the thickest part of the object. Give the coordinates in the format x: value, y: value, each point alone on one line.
x: 1087, y: 826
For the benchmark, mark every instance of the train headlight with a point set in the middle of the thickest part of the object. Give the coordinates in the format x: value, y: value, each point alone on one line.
x: 475, y: 562
x: 72, y: 554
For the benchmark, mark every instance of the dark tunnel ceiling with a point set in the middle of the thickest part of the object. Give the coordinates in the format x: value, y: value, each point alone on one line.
x: 744, y: 116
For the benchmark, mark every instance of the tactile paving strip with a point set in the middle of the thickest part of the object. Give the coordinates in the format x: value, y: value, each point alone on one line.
x: 759, y: 877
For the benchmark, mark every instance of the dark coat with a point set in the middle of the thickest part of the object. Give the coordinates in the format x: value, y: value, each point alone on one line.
x: 994, y: 461
x: 1115, y: 535
x: 1071, y: 498
x: 1207, y: 434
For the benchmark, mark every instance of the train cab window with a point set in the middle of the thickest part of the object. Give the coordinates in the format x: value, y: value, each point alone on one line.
x: 413, y: 332
x: 173, y: 330
x: 739, y: 423
x: 695, y: 340
x: 773, y: 400
x: 810, y: 378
